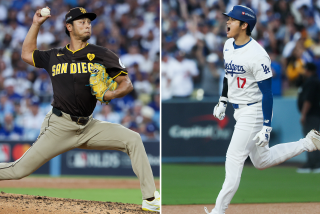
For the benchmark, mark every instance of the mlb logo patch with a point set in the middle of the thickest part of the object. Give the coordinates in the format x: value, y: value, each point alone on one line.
x: 243, y: 13
x: 77, y: 159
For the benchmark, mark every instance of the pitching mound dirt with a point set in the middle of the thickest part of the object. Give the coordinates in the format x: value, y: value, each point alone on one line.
x: 279, y: 208
x: 27, y: 204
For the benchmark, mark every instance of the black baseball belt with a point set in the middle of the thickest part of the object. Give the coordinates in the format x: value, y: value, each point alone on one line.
x: 79, y: 120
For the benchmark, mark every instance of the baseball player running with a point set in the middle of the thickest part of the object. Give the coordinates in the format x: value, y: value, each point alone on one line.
x: 247, y: 86
x: 70, y: 124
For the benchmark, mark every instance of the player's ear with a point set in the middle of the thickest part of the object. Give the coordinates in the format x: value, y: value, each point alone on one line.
x: 69, y: 27
x: 244, y: 26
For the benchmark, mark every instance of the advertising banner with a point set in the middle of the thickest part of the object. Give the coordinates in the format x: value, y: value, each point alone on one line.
x: 11, y: 151
x: 106, y: 162
x: 190, y: 132
x: 85, y: 162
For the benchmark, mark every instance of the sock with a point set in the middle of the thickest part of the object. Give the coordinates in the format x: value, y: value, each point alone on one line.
x: 150, y: 199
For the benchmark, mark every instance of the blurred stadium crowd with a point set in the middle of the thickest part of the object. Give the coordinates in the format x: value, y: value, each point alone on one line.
x: 194, y: 32
x: 130, y: 28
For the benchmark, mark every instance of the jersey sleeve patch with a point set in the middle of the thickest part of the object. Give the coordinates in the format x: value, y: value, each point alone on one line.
x: 262, y: 68
x: 121, y: 64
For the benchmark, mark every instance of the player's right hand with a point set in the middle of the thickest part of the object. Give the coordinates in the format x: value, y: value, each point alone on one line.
x: 219, y: 110
x: 38, y: 19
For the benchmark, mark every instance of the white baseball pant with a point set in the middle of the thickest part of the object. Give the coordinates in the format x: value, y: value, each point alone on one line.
x: 249, y: 121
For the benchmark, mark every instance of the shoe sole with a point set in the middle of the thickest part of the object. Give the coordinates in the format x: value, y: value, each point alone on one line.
x: 145, y: 209
x: 304, y: 170
x: 316, y: 170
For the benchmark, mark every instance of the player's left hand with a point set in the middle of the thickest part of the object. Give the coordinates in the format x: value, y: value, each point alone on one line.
x: 263, y: 136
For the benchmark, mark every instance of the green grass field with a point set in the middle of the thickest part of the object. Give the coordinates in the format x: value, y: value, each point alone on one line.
x: 115, y: 195
x: 132, y: 196
x: 200, y: 184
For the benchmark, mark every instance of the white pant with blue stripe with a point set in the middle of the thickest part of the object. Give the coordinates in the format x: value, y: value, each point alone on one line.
x: 249, y: 123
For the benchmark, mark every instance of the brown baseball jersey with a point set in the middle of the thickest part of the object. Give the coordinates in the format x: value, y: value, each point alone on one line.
x: 70, y: 72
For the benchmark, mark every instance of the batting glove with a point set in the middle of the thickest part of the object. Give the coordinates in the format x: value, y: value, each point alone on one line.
x: 220, y: 108
x: 263, y: 136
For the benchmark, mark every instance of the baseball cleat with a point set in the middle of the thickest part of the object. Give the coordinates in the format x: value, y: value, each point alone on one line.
x: 304, y: 170
x: 206, y: 210
x: 153, y: 206
x: 314, y: 136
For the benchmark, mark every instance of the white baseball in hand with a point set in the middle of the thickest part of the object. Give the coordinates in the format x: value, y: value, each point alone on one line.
x: 45, y: 12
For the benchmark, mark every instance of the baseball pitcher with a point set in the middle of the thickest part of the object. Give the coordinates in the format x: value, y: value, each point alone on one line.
x: 81, y: 74
x: 247, y: 86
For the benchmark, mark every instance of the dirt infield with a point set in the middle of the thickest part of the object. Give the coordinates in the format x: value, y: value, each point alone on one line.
x: 27, y: 204
x: 278, y: 208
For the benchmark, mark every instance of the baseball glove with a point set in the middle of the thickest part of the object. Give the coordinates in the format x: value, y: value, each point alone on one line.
x: 100, y: 82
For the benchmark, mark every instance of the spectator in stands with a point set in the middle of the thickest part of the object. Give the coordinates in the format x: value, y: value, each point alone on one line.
x: 141, y: 84
x: 6, y: 58
x: 18, y: 115
x: 182, y: 77
x: 33, y: 119
x: 316, y: 51
x: 23, y: 85
x: 133, y: 56
x: 312, y: 27
x: 45, y: 36
x: 6, y: 107
x: 295, y: 64
x: 15, y: 58
x: 18, y: 33
x: 106, y: 114
x: 6, y: 41
x: 309, y: 106
x: 136, y: 112
x: 167, y: 69
x: 9, y: 131
x: 5, y: 72
x: 155, y: 104
x: 148, y: 128
x: 42, y: 86
x: 211, y: 73
x: 146, y: 65
x: 10, y: 85
x: 127, y: 121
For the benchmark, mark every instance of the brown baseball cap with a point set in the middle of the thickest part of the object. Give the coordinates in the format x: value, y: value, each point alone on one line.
x: 76, y: 13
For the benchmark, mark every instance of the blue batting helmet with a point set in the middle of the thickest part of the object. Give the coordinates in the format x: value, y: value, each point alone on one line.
x: 244, y: 14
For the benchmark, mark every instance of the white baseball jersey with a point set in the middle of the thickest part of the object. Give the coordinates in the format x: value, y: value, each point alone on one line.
x: 245, y: 67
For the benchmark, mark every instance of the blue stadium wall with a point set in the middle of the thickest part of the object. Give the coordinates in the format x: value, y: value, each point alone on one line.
x: 190, y: 133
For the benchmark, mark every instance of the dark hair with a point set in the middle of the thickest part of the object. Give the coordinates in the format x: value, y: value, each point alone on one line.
x: 67, y: 32
x: 248, y: 28
x: 311, y: 67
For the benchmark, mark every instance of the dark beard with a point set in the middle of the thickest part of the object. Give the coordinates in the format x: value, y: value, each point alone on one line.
x: 86, y: 38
